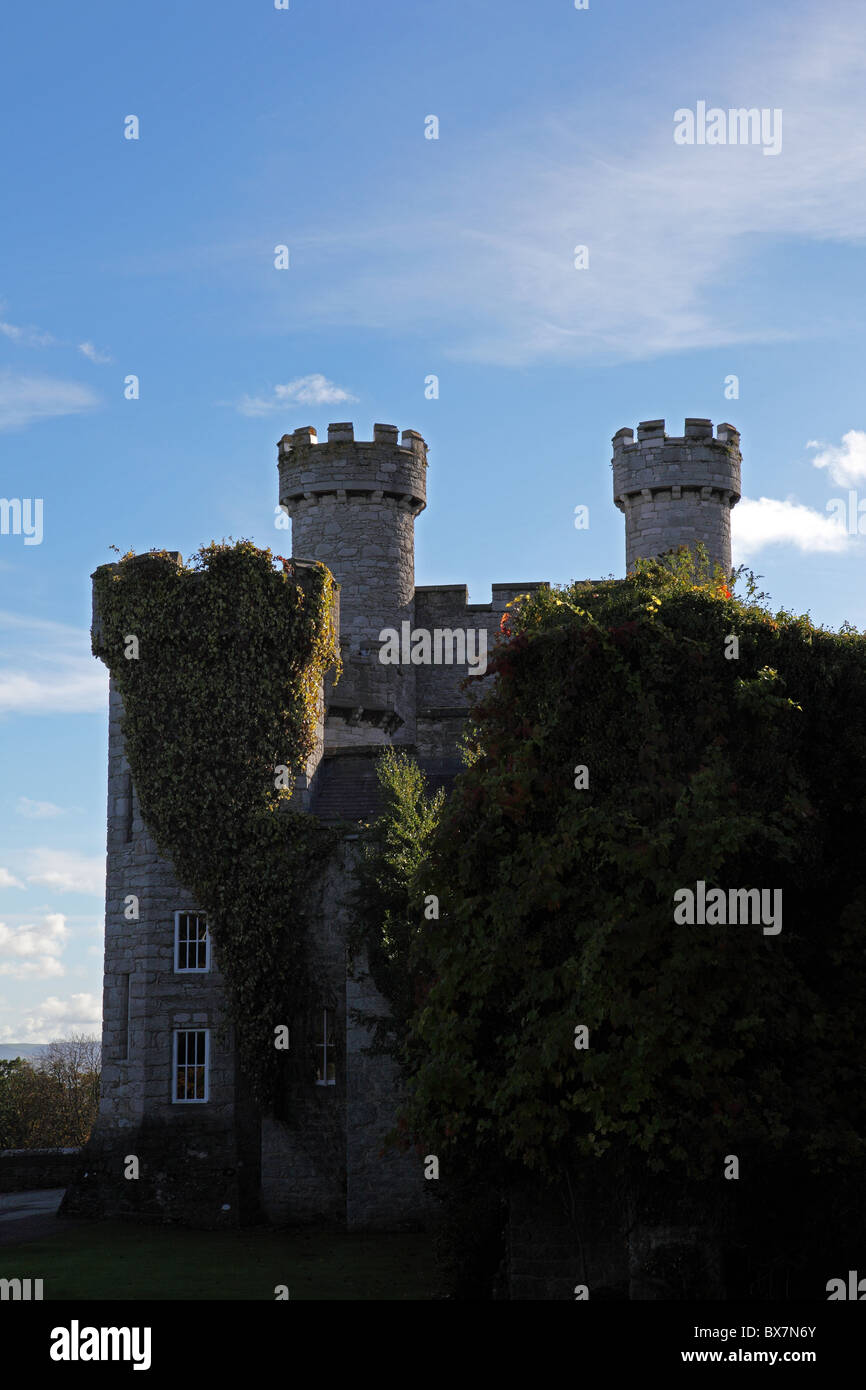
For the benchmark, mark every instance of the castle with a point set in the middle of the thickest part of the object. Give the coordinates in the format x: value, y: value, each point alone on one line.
x: 171, y: 1093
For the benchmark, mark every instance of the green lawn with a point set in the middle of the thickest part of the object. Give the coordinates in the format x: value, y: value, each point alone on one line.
x: 113, y: 1260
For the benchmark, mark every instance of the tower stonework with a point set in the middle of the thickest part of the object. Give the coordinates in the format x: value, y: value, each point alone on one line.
x: 353, y: 505
x: 677, y: 490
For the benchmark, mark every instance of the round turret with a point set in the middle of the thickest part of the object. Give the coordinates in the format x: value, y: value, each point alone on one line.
x: 677, y: 490
x: 353, y: 505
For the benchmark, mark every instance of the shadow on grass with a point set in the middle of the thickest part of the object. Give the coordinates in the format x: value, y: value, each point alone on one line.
x: 114, y: 1260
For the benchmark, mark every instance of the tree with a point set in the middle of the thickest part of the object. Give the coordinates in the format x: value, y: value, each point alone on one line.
x: 12, y: 1127
x: 558, y: 902
x: 389, y: 899
x: 50, y: 1101
x: 73, y: 1065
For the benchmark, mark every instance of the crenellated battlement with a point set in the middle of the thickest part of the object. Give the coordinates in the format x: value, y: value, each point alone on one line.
x: 677, y: 489
x: 345, y: 469
x: 651, y: 434
x: 441, y: 601
x: 383, y: 435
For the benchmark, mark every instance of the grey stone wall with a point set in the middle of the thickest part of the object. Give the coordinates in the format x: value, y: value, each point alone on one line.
x: 23, y: 1170
x: 195, y: 1159
x: 442, y: 704
x: 387, y: 1189
x: 326, y: 1163
x: 353, y: 506
x: 137, y: 1077
x: 677, y: 491
x: 589, y: 1232
x: 304, y: 1156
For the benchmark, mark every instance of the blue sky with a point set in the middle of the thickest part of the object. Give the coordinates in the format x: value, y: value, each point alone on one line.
x: 408, y: 257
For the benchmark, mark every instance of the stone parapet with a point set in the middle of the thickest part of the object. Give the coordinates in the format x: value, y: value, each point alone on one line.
x: 677, y: 490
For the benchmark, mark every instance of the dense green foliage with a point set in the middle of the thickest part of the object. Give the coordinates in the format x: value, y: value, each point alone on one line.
x: 222, y: 693
x: 50, y: 1101
x: 558, y: 902
x: 385, y: 920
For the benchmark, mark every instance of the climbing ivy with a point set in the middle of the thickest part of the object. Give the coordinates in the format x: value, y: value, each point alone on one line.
x: 557, y: 898
x: 219, y: 665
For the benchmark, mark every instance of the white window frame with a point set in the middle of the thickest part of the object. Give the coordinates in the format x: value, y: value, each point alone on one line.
x: 190, y: 1100
x: 190, y: 969
x: 326, y: 1046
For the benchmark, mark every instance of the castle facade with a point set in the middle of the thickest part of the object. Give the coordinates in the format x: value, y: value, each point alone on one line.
x: 172, y: 1095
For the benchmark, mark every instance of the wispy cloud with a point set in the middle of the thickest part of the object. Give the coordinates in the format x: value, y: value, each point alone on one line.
x: 314, y: 389
x: 26, y: 334
x: 24, y: 399
x: 37, y: 810
x: 8, y: 880
x: 759, y: 522
x: 32, y: 951
x: 65, y: 871
x: 94, y: 354
x: 48, y: 668
x: 483, y: 261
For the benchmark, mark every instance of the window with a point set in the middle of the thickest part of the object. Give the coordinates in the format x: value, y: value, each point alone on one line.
x: 326, y: 1056
x: 191, y: 942
x: 191, y: 1064
x: 125, y: 1016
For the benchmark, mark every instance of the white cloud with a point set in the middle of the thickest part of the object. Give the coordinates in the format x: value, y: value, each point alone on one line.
x: 24, y: 399
x: 39, y: 968
x: 37, y: 810
x: 483, y: 259
x: 48, y: 668
x: 56, y: 1017
x: 8, y: 880
x: 314, y: 389
x: 66, y: 871
x: 94, y: 354
x: 763, y: 521
x: 26, y: 693
x: 29, y: 336
x: 255, y: 406
x: 845, y: 462
x: 33, y: 952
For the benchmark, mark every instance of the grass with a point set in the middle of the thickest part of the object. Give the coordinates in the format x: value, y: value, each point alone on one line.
x: 113, y: 1260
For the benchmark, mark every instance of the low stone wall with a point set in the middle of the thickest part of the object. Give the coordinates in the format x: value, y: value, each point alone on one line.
x: 22, y: 1170
x: 587, y: 1240
x: 559, y: 1241
x: 192, y: 1172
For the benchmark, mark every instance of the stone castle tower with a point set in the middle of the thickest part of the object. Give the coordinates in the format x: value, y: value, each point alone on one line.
x: 353, y: 506
x: 677, y: 491
x: 171, y: 1092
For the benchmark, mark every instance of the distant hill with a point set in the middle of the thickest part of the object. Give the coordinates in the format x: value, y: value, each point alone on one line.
x: 9, y: 1051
